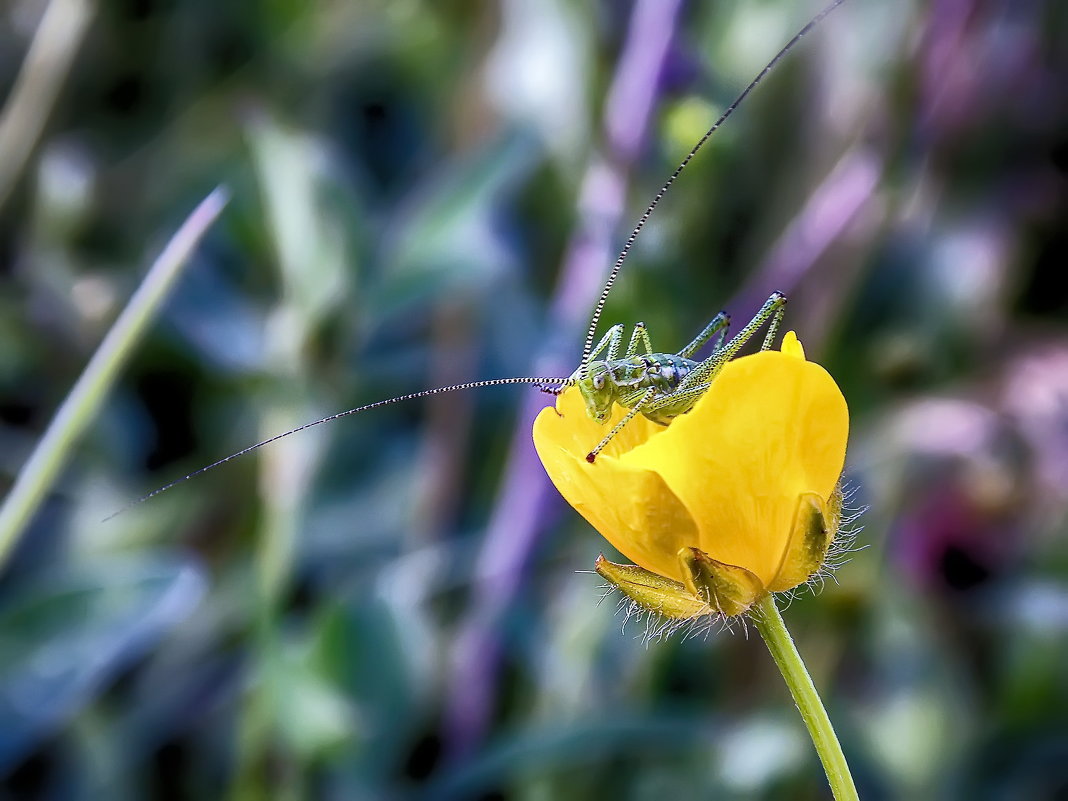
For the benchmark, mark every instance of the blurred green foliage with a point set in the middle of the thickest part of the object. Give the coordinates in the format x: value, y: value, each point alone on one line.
x: 394, y: 605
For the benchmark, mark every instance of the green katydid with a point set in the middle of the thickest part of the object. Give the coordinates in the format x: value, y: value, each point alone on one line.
x: 660, y: 386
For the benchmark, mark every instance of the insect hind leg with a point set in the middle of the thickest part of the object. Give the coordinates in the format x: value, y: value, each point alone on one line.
x: 773, y: 309
x: 776, y: 320
x: 719, y: 324
x: 689, y: 396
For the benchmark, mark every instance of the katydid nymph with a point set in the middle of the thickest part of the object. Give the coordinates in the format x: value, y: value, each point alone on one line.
x: 660, y: 386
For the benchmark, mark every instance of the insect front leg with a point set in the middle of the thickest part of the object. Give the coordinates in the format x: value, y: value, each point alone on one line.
x: 612, y: 340
x: 552, y: 390
x: 719, y: 324
x: 635, y: 409
x: 640, y: 334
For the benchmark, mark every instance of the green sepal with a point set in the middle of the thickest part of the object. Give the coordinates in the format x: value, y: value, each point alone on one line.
x: 652, y: 592
x: 727, y: 589
x: 814, y: 526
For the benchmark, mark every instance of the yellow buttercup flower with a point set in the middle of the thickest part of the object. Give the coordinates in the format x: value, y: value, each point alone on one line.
x: 734, y: 499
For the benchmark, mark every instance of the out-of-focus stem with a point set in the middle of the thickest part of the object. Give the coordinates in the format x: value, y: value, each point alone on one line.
x: 46, y: 66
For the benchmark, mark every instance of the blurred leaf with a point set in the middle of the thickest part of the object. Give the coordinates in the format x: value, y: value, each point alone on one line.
x: 312, y: 713
x: 451, y: 239
x: 359, y: 647
x: 67, y: 631
x: 538, y: 71
x: 308, y: 240
x: 550, y: 748
x: 224, y: 327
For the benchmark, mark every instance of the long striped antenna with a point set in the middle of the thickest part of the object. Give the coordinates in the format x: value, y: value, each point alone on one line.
x: 599, y: 308
x: 543, y: 383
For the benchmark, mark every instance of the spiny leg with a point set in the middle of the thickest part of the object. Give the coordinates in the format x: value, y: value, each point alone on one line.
x: 772, y: 309
x: 722, y: 335
x: 776, y: 321
x: 637, y: 407
x: 700, y: 378
x: 640, y: 334
x: 677, y: 398
x: 627, y: 400
x: 612, y: 340
x: 719, y: 323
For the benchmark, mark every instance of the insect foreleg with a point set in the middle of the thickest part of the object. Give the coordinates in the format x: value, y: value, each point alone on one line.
x: 637, y: 407
x: 640, y: 334
x: 720, y: 323
x: 553, y: 390
x: 612, y: 341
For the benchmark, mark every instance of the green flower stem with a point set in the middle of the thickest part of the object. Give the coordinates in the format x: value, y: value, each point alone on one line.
x: 89, y: 391
x: 771, y: 627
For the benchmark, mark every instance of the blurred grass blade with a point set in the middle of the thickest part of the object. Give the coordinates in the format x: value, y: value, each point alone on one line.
x: 85, y: 398
x: 54, y: 45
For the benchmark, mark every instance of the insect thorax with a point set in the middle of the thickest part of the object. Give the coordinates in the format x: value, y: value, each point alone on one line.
x: 624, y: 381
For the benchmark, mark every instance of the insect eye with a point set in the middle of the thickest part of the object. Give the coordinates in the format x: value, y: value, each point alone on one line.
x: 598, y: 381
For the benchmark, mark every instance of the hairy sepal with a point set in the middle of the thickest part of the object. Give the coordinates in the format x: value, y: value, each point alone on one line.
x: 727, y: 589
x: 652, y: 592
x: 814, y: 527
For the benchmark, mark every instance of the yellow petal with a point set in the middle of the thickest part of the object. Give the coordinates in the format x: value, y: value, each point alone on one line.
x: 632, y: 507
x: 770, y: 428
x: 791, y: 346
x: 574, y: 430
